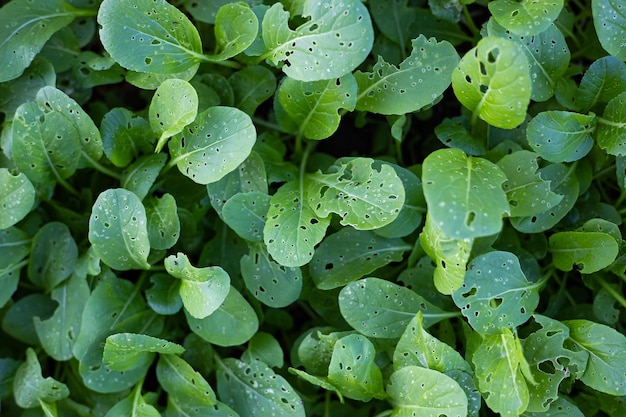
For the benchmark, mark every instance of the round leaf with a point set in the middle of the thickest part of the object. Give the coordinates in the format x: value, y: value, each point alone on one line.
x: 604, y: 80
x: 183, y: 384
x: 610, y: 24
x: 173, y: 106
x: 526, y: 17
x: 140, y: 176
x: 17, y: 197
x: 236, y: 27
x: 246, y: 213
x: 124, y: 136
x: 560, y: 136
x: 588, y: 252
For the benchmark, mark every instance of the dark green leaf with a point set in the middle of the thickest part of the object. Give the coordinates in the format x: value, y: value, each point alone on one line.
x: 54, y: 255
x: 17, y: 197
x: 30, y: 386
x: 124, y: 351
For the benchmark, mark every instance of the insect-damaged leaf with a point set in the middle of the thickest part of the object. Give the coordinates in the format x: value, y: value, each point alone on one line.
x: 173, y: 106
x: 526, y: 17
x: 17, y: 196
x: 610, y: 24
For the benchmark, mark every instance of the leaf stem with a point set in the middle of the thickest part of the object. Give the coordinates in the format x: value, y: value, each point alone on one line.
x: 226, y: 63
x: 618, y: 297
x: 101, y: 168
x: 469, y: 21
x: 611, y: 123
x: 384, y: 413
x: 265, y: 123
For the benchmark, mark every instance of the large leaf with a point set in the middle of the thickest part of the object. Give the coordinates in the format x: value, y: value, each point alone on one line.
x: 417, y: 82
x: 14, y: 246
x: 611, y: 128
x: 526, y: 17
x: 336, y: 39
x: 394, y: 19
x: 141, y: 40
x: 560, y: 136
x: 118, y: 231
x: 17, y: 196
x: 30, y: 387
x: 610, y: 24
x: 464, y: 194
x: 213, y: 145
x: 588, y: 252
x: 173, y: 106
x: 493, y: 82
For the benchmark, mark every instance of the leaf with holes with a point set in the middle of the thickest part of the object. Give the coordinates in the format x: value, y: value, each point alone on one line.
x: 213, y: 145
x: 363, y: 196
x: 611, y: 128
x: 588, y: 252
x: 314, y: 105
x: 141, y: 175
x: 336, y: 39
x: 379, y: 308
x: 526, y: 17
x: 493, y: 82
x: 246, y: 214
x: 251, y: 388
x: 350, y: 254
x: 203, y: 290
x: 236, y: 27
x: 273, y: 284
x: 610, y: 24
x: 125, y: 351
x: 30, y: 387
x: 416, y: 83
x: 432, y: 393
x: 604, y: 80
x: 496, y: 294
x: 527, y: 192
x: 264, y: 347
x: 292, y: 229
x: 17, y: 196
x: 54, y: 254
x: 184, y: 385
x: 560, y: 136
x: 251, y: 87
x: 464, y: 194
x: 173, y: 106
x: 123, y: 136
x: 454, y: 133
x: 163, y: 221
x: 150, y: 36
x: 118, y: 230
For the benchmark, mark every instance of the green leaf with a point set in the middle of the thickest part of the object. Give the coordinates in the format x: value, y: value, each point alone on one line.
x: 352, y: 369
x: 314, y: 105
x: 611, y: 128
x: 236, y: 27
x: 464, y: 194
x: 14, y: 246
x: 560, y: 136
x: 213, y: 145
x: 527, y: 192
x: 264, y: 347
x: 141, y: 175
x: 17, y: 197
x: 449, y: 10
x: 246, y: 214
x: 333, y: 42
x: 118, y: 231
x: 30, y: 387
x: 271, y: 283
x: 163, y: 222
x: 251, y: 86
x: 431, y: 392
x: 133, y: 405
x: 123, y: 136
x: 92, y: 70
x: 54, y: 255
x: 492, y: 80
x: 19, y: 317
x: 496, y: 295
x: 588, y: 252
x: 141, y: 40
x: 394, y: 19
x: 164, y: 295
x: 125, y: 351
x: 559, y: 408
x: 203, y: 290
x: 292, y: 229
x: 379, y: 308
x: 416, y: 83
x: 498, y: 363
x: 526, y: 17
x: 173, y: 106
x: 610, y: 24
x: 604, y: 80
x: 20, y: 90
x: 454, y: 133
x: 183, y: 384
x: 606, y: 367
x: 365, y: 197
x: 350, y: 254
x: 232, y: 324
x: 26, y: 27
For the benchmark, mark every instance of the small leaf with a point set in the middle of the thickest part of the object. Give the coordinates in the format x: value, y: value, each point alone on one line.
x: 124, y: 136
x: 610, y: 24
x: 246, y: 214
x: 333, y: 42
x: 141, y: 175
x: 164, y: 295
x: 141, y: 40
x: 454, y: 133
x: 416, y: 83
x: 20, y: 90
x: 213, y: 145
x: 183, y: 384
x: 588, y: 252
x: 496, y: 294
x: 54, y: 255
x: 17, y: 197
x: 118, y: 231
x: 264, y: 347
x: 15, y: 245
x: 611, y: 129
x: 167, y: 119
x: 493, y: 82
x: 133, y: 405
x: 431, y: 392
x: 163, y: 222
x: 604, y: 80
x: 30, y: 387
x: 236, y: 27
x: 124, y: 351
x: 526, y: 17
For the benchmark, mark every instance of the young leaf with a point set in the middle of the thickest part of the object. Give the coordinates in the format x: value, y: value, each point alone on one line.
x: 183, y: 384
x: 213, y: 145
x: 454, y: 133
x: 610, y: 24
x: 314, y: 105
x: 526, y: 17
x: 350, y: 254
x: 292, y: 229
x: 164, y: 295
x: 30, y: 387
x: 379, y: 308
x: 125, y: 351
x: 432, y: 393
x: 141, y: 40
x: 496, y: 294
x: 271, y: 283
x: 123, y: 136
x: 236, y: 27
x: 416, y: 83
x: 588, y: 252
x: 464, y: 194
x: 163, y: 222
x: 17, y: 197
x: 492, y: 80
x: 246, y: 214
x: 560, y: 136
x: 251, y: 86
x: 253, y: 388
x: 203, y: 290
x: 118, y: 231
x: 365, y: 197
x: 606, y: 367
x: 611, y: 129
x: 26, y: 27
x: 336, y: 39
x: 264, y: 347
x: 352, y: 369
x: 173, y: 106
x: 54, y: 254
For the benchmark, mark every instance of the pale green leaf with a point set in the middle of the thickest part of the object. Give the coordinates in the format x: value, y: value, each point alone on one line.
x: 30, y: 387
x: 15, y: 245
x: 173, y: 106
x: 265, y: 348
x: 560, y: 136
x: 236, y: 27
x: 133, y: 405
x: 124, y: 351
x: 17, y: 197
x: 526, y: 17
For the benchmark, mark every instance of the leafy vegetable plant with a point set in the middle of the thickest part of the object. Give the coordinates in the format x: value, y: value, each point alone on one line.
x: 312, y: 208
